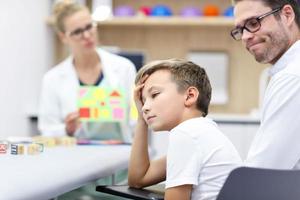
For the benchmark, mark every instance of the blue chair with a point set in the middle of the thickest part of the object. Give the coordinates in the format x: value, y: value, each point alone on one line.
x: 246, y: 183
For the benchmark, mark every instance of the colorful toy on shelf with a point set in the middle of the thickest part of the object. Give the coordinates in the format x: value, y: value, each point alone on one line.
x: 228, y: 12
x: 190, y: 11
x: 145, y: 10
x: 161, y: 11
x: 211, y: 10
x: 124, y: 11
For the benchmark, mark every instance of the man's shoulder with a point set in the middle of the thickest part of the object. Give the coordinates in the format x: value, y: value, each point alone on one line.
x: 293, y: 67
x: 293, y: 61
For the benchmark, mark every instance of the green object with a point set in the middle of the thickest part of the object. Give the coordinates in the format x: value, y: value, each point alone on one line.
x: 98, y: 104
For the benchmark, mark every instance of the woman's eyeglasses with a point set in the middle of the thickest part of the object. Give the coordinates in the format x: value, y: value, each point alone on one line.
x: 78, y: 33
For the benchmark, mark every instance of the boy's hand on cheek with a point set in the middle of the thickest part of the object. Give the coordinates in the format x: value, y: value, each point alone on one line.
x: 138, y: 96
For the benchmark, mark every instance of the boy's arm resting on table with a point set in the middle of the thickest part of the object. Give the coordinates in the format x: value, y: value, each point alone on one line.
x: 182, y: 192
x: 142, y: 172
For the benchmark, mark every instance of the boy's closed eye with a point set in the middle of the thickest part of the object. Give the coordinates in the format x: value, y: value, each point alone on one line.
x: 153, y: 95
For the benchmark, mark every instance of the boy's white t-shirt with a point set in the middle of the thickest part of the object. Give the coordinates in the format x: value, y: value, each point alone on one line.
x: 201, y: 155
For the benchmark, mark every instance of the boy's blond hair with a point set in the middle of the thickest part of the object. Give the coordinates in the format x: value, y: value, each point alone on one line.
x: 184, y: 74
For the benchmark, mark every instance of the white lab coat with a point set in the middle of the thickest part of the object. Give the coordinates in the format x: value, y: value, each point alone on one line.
x: 60, y: 86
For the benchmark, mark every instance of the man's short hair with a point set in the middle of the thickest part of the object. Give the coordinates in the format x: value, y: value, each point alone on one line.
x: 278, y: 3
x: 184, y: 74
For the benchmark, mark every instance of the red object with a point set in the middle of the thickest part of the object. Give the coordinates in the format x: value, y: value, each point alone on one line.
x: 211, y: 10
x: 84, y: 113
x: 145, y: 10
x: 115, y: 94
x: 3, y: 148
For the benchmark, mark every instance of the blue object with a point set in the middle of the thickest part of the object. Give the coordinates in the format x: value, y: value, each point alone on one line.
x: 190, y: 12
x: 124, y: 11
x: 228, y: 12
x: 136, y: 57
x: 161, y: 10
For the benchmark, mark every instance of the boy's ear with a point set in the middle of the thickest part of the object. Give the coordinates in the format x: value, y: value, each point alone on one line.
x: 191, y: 97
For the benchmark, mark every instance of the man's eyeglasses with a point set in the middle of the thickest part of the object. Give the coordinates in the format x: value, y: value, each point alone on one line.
x: 78, y: 33
x: 251, y: 25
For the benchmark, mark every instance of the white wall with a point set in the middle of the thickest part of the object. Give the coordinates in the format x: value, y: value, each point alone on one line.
x: 26, y: 52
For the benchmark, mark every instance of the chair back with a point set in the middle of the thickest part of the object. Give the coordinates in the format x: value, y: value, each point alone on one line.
x: 247, y: 183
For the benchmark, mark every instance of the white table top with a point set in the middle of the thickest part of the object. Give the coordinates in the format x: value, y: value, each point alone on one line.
x: 58, y: 170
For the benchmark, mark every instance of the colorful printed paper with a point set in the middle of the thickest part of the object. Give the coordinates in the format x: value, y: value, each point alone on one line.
x: 133, y: 111
x: 101, y: 104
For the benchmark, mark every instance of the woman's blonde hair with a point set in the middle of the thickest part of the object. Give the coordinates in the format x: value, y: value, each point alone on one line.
x: 63, y: 9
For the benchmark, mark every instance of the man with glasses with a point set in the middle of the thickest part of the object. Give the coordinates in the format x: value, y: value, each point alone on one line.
x: 270, y: 31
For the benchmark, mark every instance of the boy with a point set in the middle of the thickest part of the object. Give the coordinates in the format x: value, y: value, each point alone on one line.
x: 174, y: 95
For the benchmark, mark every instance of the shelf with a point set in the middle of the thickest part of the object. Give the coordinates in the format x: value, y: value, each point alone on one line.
x: 168, y: 21
x: 164, y: 21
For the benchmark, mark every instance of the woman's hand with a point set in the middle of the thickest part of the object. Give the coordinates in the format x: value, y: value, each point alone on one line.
x: 72, y: 123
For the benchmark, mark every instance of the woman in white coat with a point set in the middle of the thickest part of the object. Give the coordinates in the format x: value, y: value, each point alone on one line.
x: 58, y: 112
